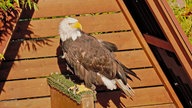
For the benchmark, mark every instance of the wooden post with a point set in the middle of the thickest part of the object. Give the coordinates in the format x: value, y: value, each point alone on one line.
x: 62, y: 97
x: 59, y: 100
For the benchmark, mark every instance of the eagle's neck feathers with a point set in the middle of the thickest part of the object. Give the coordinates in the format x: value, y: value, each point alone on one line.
x: 73, y: 34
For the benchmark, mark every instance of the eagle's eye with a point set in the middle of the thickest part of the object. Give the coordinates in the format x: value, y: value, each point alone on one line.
x: 70, y: 24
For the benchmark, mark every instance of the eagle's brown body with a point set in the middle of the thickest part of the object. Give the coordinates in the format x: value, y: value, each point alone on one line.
x: 93, y: 60
x: 88, y: 57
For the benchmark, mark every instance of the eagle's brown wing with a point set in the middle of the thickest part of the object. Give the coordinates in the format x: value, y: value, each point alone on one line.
x: 88, y: 57
x: 110, y: 46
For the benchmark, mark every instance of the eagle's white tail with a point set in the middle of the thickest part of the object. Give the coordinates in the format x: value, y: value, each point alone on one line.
x: 126, y: 88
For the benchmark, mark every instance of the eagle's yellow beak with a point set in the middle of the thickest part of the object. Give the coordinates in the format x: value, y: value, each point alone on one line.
x: 77, y: 25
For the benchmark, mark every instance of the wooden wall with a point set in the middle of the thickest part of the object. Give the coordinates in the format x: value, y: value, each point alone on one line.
x: 33, y: 53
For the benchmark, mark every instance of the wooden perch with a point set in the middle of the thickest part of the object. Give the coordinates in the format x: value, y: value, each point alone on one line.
x: 64, y: 96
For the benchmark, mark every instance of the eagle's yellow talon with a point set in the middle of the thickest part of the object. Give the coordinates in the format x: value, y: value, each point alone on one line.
x: 76, y: 89
x: 2, y: 57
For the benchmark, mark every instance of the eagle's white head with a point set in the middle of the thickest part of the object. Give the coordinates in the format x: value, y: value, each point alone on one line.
x: 69, y: 28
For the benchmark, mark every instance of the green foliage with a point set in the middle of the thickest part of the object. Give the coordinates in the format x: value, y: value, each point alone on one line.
x: 7, y: 4
x: 183, y: 15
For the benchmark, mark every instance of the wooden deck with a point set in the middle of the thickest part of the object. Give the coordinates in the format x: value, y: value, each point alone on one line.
x: 33, y: 53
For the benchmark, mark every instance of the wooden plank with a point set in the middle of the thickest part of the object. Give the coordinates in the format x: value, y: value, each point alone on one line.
x: 144, y: 96
x: 31, y: 49
x: 27, y: 103
x: 138, y: 56
x: 158, y: 42
x: 24, y: 89
x: 45, y: 102
x: 123, y: 40
x: 149, y: 53
x: 164, y: 105
x: 49, y: 47
x: 39, y: 87
x: 51, y: 8
x: 90, y: 24
x: 133, y: 59
x: 144, y: 74
x: 29, y: 68
x: 44, y: 67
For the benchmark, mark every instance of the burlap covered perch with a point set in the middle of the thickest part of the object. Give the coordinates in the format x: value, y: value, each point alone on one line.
x: 64, y: 85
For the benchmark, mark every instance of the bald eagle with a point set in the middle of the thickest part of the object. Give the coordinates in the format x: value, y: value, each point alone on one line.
x: 92, y: 60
